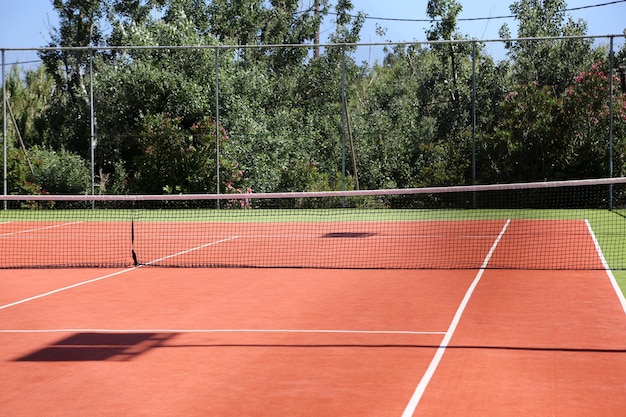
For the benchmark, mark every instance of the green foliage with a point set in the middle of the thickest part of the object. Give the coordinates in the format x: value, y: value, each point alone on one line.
x: 348, y: 25
x: 587, y: 121
x: 446, y: 11
x: 180, y: 159
x: 412, y: 129
x: 67, y: 119
x: 28, y: 93
x: 550, y: 135
x: 530, y: 130
x: 541, y: 112
x: 59, y: 172
x: 297, y: 175
x: 53, y: 172
x: 19, y: 178
x: 552, y: 63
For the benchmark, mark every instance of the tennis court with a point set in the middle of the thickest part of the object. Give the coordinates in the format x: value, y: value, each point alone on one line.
x: 424, y: 314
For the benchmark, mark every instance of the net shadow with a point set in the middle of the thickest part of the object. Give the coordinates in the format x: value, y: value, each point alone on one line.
x: 81, y: 347
x: 348, y: 235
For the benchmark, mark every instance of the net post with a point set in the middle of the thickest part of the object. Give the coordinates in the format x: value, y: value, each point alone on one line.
x: 133, y: 252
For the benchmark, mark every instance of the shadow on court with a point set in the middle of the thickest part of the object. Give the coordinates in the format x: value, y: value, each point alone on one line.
x: 119, y: 347
x: 98, y: 347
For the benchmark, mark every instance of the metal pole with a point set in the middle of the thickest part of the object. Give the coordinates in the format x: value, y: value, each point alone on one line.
x: 343, y: 119
x: 217, y: 125
x: 316, y: 41
x: 474, y: 121
x: 611, y: 64
x: 93, y: 127
x: 4, y: 131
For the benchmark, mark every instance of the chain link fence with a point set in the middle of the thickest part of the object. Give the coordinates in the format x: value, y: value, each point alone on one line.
x: 219, y: 119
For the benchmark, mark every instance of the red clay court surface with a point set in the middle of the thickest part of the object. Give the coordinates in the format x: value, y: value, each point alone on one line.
x: 314, y: 342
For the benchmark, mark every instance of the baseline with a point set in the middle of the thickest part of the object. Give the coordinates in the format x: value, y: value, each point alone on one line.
x: 277, y: 331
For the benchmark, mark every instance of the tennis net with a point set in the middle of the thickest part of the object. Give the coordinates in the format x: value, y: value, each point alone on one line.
x: 548, y: 225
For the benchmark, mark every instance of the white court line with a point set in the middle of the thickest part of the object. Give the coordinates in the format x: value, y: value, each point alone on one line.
x: 616, y: 288
x: 434, y: 363
x: 39, y: 229
x: 278, y: 331
x: 69, y: 287
x: 192, y: 250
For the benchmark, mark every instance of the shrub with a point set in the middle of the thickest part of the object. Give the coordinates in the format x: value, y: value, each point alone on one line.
x: 59, y: 172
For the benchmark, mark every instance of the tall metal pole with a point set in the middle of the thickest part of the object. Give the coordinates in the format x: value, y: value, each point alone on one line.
x: 474, y: 121
x: 343, y: 119
x: 4, y: 131
x: 217, y: 124
x: 316, y: 41
x: 93, y: 127
x: 611, y: 64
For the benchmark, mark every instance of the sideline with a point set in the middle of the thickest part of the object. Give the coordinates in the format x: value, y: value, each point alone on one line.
x: 616, y: 288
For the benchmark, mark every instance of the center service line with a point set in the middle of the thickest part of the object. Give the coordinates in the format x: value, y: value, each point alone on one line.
x: 434, y: 363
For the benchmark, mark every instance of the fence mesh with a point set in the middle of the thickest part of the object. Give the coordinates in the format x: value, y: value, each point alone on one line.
x: 222, y: 119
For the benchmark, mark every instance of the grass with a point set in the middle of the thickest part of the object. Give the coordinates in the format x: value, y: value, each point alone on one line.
x: 620, y: 277
x: 296, y: 215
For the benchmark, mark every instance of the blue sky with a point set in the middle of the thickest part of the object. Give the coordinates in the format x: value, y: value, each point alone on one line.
x: 27, y: 23
x: 605, y: 20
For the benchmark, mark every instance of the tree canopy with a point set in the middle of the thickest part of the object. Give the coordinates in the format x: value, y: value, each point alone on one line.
x: 291, y: 117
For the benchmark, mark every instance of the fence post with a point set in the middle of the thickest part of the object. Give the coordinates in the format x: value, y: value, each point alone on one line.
x: 217, y: 125
x: 611, y: 64
x: 474, y: 121
x: 92, y: 122
x: 4, y: 132
x: 343, y: 119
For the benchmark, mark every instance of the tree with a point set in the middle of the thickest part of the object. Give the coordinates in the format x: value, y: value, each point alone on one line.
x: 450, y: 81
x: 28, y: 94
x: 586, y: 114
x: 402, y: 141
x: 34, y: 167
x: 410, y: 114
x: 141, y: 84
x: 530, y: 131
x: 445, y: 29
x: 259, y: 22
x: 59, y: 172
x: 68, y: 117
x: 547, y: 62
x: 179, y: 159
x: 283, y: 105
x: 547, y: 135
x: 539, y: 136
